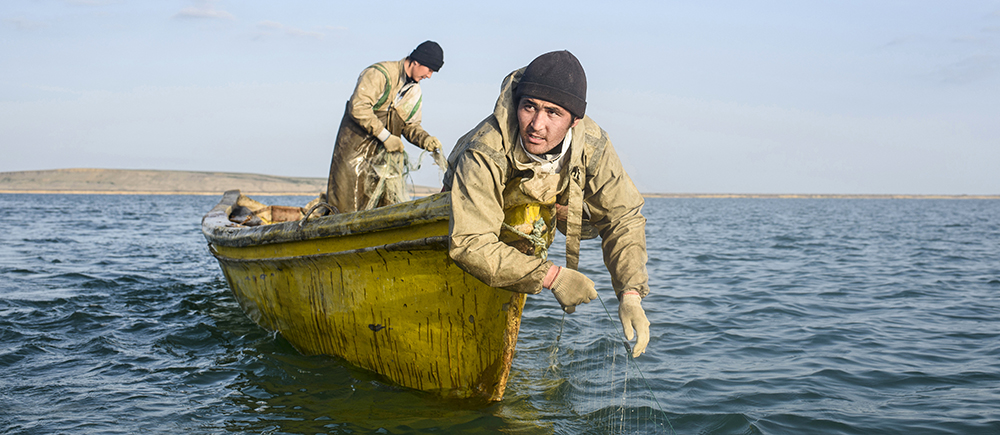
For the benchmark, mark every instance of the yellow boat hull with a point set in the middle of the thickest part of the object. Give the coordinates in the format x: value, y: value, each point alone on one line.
x: 376, y: 288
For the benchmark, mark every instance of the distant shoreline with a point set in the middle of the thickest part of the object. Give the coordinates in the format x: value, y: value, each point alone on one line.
x: 141, y: 192
x: 86, y: 181
x: 813, y: 196
x: 419, y: 194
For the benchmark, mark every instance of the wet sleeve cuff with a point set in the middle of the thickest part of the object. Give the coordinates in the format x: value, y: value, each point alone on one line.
x: 383, y: 135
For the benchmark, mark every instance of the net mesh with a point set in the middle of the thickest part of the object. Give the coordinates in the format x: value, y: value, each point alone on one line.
x: 387, y: 182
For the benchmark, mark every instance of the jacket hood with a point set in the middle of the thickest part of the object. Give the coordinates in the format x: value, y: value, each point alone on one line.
x: 505, y: 110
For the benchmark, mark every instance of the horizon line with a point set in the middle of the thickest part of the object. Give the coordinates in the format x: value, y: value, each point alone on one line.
x: 645, y: 195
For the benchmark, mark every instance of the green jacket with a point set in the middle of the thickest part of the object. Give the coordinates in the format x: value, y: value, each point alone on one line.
x: 382, y: 99
x: 482, y: 165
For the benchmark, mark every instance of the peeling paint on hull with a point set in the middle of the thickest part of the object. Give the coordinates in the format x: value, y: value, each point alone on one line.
x: 377, y: 289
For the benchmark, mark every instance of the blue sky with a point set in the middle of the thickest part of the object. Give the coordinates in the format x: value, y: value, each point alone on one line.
x: 697, y: 97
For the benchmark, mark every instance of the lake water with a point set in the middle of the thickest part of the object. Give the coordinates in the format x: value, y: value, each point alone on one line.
x: 769, y: 316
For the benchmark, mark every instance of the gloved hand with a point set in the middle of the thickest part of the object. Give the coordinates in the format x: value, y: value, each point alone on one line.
x: 432, y: 144
x: 393, y: 144
x: 634, y: 317
x: 572, y: 288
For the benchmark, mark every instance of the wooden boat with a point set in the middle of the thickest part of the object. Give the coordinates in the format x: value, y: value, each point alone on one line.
x: 375, y: 288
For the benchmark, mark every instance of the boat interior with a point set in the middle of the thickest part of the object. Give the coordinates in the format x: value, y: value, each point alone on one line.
x: 251, y: 213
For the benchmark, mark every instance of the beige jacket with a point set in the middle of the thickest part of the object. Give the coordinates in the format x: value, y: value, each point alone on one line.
x: 482, y: 164
x: 382, y: 99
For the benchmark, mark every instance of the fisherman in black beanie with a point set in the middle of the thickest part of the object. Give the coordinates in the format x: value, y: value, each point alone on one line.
x: 384, y: 108
x: 429, y: 54
x: 556, y: 77
x: 539, y: 155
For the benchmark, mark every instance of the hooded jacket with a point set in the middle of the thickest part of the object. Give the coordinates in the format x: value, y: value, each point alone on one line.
x: 486, y: 161
x: 382, y: 99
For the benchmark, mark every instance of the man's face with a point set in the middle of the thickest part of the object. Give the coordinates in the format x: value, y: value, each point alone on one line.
x: 419, y: 72
x: 542, y: 124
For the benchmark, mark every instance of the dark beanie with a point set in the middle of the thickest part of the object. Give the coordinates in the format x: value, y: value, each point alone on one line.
x: 429, y: 54
x: 556, y: 77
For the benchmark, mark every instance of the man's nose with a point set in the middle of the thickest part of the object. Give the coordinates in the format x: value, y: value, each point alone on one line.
x: 537, y: 121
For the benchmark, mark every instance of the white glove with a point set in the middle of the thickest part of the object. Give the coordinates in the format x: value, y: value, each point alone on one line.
x: 393, y: 144
x: 632, y: 315
x: 572, y: 288
x: 432, y: 144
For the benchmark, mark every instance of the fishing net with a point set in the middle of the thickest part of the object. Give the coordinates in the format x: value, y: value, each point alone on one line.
x: 619, y: 400
x: 576, y: 376
x: 386, y: 182
x: 587, y: 372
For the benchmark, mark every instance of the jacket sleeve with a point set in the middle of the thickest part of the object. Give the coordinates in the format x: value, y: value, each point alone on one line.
x: 409, y: 109
x: 369, y: 90
x: 616, y: 209
x: 476, y: 219
x: 416, y: 134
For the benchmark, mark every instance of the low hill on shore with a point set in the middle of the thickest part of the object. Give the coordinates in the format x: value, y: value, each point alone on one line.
x: 149, y: 182
x: 123, y: 181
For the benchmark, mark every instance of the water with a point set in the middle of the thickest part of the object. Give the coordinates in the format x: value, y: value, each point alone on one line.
x: 768, y: 316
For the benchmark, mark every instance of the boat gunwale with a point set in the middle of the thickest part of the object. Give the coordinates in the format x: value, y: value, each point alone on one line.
x: 435, y: 243
x: 219, y: 230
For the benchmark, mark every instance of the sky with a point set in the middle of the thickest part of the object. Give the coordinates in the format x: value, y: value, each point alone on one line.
x: 821, y: 97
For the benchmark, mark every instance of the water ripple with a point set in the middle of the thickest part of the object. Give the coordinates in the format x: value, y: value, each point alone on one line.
x: 768, y: 316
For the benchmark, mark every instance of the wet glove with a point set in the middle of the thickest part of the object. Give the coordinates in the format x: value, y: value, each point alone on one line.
x: 393, y: 144
x: 571, y: 288
x: 634, y: 317
x: 432, y: 144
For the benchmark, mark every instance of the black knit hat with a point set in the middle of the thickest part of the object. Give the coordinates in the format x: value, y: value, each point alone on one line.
x: 556, y: 77
x: 429, y: 54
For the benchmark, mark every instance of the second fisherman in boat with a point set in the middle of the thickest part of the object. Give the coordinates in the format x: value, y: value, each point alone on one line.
x: 539, y: 156
x: 366, y: 170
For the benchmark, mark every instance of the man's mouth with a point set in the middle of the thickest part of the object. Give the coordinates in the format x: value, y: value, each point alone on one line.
x: 535, y: 139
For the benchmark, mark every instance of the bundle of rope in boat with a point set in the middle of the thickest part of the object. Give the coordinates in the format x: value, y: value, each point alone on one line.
x: 537, y: 237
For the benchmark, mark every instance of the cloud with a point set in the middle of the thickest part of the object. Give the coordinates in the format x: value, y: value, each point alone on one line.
x: 55, y: 89
x: 88, y: 2
x: 970, y: 70
x: 24, y: 24
x: 268, y: 27
x: 967, y: 39
x: 901, y: 40
x: 203, y: 11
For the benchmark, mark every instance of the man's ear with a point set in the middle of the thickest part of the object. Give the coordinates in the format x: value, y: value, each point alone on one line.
x: 575, y: 122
